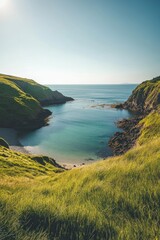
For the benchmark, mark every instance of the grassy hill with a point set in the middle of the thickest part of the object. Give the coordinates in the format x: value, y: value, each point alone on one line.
x: 21, y: 100
x: 17, y: 108
x: 113, y: 199
x: 145, y: 97
x: 40, y: 92
x: 118, y: 198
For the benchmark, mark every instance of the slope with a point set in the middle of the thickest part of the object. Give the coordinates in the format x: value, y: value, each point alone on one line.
x: 40, y: 92
x: 19, y: 109
x: 118, y: 198
x: 113, y: 199
x: 145, y: 97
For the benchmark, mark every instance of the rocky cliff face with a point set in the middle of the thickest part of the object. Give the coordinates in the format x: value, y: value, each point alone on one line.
x: 145, y: 98
x: 121, y: 142
x: 56, y: 98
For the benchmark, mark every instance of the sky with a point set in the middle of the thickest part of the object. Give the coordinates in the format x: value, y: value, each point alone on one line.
x: 80, y: 41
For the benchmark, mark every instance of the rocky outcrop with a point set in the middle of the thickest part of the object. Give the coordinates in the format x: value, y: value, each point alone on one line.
x: 56, y: 98
x: 121, y: 142
x: 145, y: 98
x: 39, y: 121
x: 44, y: 160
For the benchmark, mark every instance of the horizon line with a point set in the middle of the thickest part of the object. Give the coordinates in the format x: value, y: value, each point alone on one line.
x: 47, y: 84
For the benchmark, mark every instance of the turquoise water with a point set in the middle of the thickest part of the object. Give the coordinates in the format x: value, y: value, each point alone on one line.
x: 79, y: 131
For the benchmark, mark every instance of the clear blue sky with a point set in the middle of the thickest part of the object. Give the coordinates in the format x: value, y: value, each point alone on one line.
x: 80, y: 41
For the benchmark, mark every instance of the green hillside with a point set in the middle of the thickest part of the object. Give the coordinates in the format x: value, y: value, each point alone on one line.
x: 40, y: 92
x: 145, y: 97
x: 19, y: 109
x: 21, y: 100
x: 118, y: 198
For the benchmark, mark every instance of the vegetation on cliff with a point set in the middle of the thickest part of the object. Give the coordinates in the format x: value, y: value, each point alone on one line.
x: 145, y: 98
x: 20, y: 102
x: 40, y: 92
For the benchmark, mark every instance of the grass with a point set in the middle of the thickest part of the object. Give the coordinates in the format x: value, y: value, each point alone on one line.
x: 16, y: 106
x: 39, y: 92
x: 31, y: 87
x: 118, y: 198
x: 146, y: 96
x: 21, y: 100
x: 151, y: 127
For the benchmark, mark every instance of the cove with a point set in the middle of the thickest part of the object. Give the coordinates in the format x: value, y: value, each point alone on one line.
x: 79, y: 131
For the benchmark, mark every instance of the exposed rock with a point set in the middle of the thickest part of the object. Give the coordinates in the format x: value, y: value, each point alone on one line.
x: 121, y: 142
x: 118, y: 106
x: 44, y: 159
x: 38, y: 122
x: 144, y: 99
x: 57, y: 98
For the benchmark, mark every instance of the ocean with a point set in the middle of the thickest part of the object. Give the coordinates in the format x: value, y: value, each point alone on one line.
x: 79, y: 131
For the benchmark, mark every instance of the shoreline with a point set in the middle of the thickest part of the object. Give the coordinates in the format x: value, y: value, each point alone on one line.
x: 10, y: 135
x: 119, y: 143
x: 123, y: 141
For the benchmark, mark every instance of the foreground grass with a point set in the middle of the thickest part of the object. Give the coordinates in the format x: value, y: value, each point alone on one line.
x: 114, y: 199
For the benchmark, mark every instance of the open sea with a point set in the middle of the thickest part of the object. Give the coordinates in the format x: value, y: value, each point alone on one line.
x: 79, y: 131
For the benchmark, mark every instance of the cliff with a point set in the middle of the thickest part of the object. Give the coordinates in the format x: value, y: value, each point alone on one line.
x: 42, y: 93
x: 145, y: 98
x: 21, y: 102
